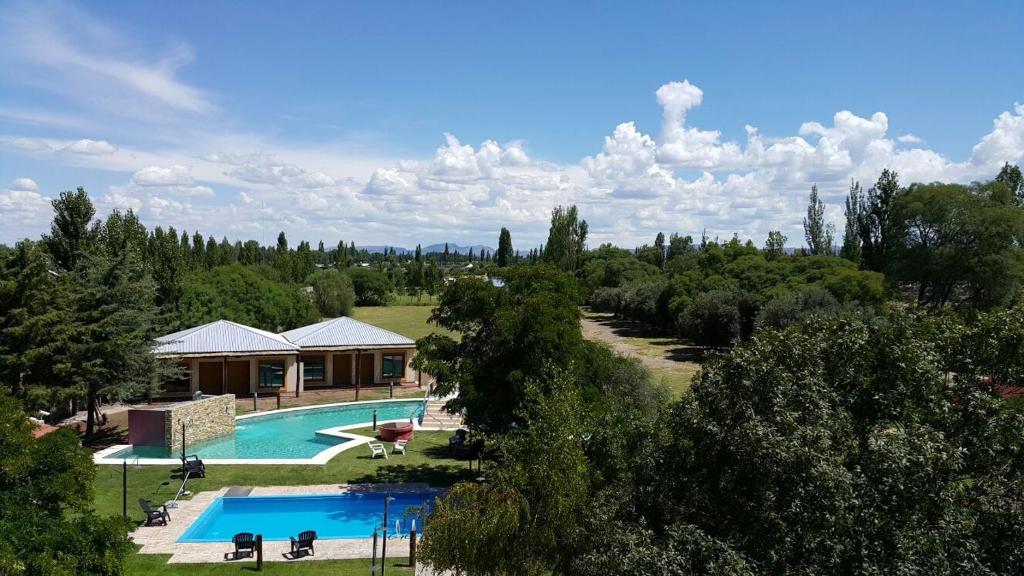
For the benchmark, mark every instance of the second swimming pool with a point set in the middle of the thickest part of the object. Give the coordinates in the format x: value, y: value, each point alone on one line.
x: 285, y: 435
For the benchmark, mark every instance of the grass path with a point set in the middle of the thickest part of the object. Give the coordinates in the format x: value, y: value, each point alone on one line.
x: 670, y: 360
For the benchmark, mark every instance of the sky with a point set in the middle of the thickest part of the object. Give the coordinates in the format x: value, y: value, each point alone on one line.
x: 400, y: 123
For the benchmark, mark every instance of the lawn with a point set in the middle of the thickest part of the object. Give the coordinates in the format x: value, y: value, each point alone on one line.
x: 156, y: 565
x: 409, y: 321
x: 427, y: 461
x: 671, y: 360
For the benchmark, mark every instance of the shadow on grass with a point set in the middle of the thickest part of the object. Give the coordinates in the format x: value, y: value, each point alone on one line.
x: 434, y: 475
x: 104, y: 437
x: 675, y: 348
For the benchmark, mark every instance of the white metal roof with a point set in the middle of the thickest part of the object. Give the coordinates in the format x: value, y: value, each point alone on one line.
x: 222, y: 336
x: 344, y: 332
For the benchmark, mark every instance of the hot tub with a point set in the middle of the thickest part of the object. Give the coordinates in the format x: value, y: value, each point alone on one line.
x: 395, y: 431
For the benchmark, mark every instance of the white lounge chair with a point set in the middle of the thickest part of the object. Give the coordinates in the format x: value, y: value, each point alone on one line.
x: 377, y: 449
x: 399, y: 447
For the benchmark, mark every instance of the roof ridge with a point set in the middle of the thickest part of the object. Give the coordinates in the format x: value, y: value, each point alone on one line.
x: 374, y: 326
x: 326, y: 324
x: 260, y: 332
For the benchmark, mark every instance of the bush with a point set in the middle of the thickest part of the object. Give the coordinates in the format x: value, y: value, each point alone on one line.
x: 718, y: 317
x: 793, y: 307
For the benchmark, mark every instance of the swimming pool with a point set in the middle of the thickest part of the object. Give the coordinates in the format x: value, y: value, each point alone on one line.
x: 349, y: 515
x: 284, y: 435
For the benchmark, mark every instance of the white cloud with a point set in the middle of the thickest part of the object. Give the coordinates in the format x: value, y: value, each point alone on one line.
x: 910, y: 139
x: 176, y: 175
x: 23, y: 185
x: 90, y: 147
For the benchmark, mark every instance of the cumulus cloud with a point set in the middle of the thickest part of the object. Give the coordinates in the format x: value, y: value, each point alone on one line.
x: 910, y: 139
x: 268, y: 169
x: 23, y: 185
x: 85, y: 146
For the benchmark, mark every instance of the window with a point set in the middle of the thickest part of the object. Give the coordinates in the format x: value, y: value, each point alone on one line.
x: 271, y: 373
x: 312, y: 367
x: 394, y: 366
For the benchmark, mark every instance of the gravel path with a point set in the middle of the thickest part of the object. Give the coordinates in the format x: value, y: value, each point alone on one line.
x: 606, y: 331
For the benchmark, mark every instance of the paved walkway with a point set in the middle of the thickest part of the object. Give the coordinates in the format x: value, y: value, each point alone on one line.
x: 164, y: 539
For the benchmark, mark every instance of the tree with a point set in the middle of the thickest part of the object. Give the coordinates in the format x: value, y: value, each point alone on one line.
x: 775, y: 245
x: 659, y: 246
x: 508, y: 336
x: 372, y: 287
x: 333, y: 293
x: 959, y: 246
x: 875, y: 223
x: 113, y: 320
x: 839, y: 446
x: 526, y: 518
x: 504, y: 254
x: 45, y: 496
x: 70, y: 237
x: 242, y: 294
x: 1011, y: 177
x: 851, y: 238
x: 818, y: 234
x: 567, y: 239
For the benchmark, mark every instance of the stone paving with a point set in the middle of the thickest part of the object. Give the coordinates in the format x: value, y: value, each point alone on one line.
x: 163, y: 539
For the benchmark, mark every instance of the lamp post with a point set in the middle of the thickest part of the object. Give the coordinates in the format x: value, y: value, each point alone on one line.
x: 384, y: 545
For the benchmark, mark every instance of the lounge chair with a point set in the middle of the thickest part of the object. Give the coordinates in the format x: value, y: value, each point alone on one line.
x: 245, y: 544
x: 303, y: 542
x: 193, y: 466
x: 399, y: 447
x: 159, y: 515
x: 377, y: 449
x: 457, y: 443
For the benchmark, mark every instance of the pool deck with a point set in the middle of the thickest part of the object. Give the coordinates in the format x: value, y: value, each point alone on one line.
x: 164, y: 539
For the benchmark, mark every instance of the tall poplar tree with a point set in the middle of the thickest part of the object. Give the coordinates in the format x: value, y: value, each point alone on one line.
x: 817, y: 232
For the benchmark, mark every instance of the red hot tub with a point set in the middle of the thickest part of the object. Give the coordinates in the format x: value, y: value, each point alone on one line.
x: 395, y: 431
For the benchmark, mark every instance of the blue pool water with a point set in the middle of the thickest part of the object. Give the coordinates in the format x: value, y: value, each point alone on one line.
x: 285, y: 435
x: 278, y: 517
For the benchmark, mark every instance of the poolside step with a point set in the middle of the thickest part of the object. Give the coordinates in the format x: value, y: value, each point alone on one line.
x: 436, y: 417
x: 238, y: 491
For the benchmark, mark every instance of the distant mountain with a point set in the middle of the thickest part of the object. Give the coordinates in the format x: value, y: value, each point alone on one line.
x: 433, y: 248
x: 380, y: 249
x: 455, y: 248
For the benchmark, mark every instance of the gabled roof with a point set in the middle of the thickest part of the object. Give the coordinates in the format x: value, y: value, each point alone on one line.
x: 222, y: 336
x: 344, y: 332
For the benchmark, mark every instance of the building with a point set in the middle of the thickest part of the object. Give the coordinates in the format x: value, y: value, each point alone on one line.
x: 227, y: 357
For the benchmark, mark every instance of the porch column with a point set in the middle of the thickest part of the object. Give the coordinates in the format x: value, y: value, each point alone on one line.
x: 300, y: 377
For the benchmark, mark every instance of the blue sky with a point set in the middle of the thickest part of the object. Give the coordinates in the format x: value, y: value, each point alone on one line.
x: 329, y: 120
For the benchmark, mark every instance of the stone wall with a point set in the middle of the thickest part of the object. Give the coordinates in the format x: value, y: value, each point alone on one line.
x: 211, y: 417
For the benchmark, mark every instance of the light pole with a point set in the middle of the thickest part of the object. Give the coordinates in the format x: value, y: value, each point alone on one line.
x: 384, y: 546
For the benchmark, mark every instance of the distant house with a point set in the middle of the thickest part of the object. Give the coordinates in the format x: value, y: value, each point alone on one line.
x: 227, y: 357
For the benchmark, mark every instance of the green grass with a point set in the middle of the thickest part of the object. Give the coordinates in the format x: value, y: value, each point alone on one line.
x: 676, y: 379
x: 427, y: 461
x: 673, y: 361
x: 409, y: 321
x: 156, y: 565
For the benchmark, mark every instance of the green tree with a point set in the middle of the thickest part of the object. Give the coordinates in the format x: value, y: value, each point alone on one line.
x: 45, y: 492
x: 242, y: 294
x: 333, y: 293
x: 526, y: 518
x: 113, y: 320
x: 1011, y: 177
x: 567, y: 239
x: 960, y: 246
x: 839, y: 446
x: 817, y: 232
x: 504, y: 253
x: 775, y: 245
x: 508, y: 336
x: 876, y: 225
x: 852, y: 210
x: 372, y: 287
x: 70, y: 237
